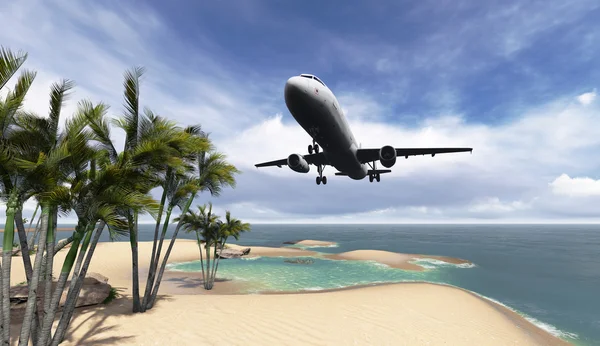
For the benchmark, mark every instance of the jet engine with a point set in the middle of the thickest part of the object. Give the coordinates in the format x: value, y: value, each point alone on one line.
x: 387, y: 156
x: 297, y: 163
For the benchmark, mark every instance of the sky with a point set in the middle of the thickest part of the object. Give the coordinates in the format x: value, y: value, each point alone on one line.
x: 517, y: 81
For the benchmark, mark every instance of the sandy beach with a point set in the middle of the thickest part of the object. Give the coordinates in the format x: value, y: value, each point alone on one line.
x: 394, y: 314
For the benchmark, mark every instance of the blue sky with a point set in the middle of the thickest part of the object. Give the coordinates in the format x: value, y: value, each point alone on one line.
x: 515, y: 80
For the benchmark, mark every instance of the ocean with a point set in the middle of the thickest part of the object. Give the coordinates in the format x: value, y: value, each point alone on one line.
x: 548, y: 273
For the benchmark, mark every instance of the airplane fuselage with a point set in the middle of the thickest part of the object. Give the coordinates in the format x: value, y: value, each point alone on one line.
x: 317, y: 110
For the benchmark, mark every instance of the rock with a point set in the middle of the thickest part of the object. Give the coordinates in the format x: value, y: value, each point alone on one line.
x: 98, y: 277
x: 232, y: 253
x: 94, y: 291
x: 300, y: 261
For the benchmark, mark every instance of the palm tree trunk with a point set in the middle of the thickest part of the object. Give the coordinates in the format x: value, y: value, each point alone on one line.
x: 1, y: 306
x: 81, y: 256
x: 218, y: 259
x: 133, y: 239
x: 201, y: 260
x: 154, y: 264
x: 23, y: 243
x: 9, y: 235
x: 166, y: 258
x: 33, y: 286
x: 71, y: 301
x: 153, y: 258
x: 29, y: 242
x: 207, y: 248
x: 38, y: 227
x: 52, y: 305
x: 49, y: 267
x: 26, y: 263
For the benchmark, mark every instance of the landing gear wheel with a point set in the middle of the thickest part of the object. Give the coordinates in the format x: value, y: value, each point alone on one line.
x: 316, y: 147
x: 310, y: 149
x: 319, y: 181
x: 324, y: 180
x: 370, y: 178
x: 378, y: 177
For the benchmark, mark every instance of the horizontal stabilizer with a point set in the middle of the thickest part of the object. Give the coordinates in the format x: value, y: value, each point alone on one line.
x: 379, y: 171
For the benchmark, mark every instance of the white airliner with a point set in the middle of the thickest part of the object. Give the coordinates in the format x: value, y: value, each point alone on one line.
x: 317, y: 110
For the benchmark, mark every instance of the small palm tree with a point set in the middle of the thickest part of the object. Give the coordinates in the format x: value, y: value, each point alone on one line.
x: 212, y: 234
x: 232, y: 227
x: 206, y: 226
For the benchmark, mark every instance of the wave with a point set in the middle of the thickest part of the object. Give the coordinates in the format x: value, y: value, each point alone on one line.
x: 432, y: 263
x: 250, y: 258
x: 545, y: 326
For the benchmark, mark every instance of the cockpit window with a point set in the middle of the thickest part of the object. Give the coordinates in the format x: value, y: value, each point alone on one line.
x: 313, y: 77
x: 318, y: 80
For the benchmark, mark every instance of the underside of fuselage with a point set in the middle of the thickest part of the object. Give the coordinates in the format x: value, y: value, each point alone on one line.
x: 316, y: 109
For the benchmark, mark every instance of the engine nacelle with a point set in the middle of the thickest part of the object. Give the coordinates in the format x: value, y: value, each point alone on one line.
x: 298, y: 164
x: 387, y: 156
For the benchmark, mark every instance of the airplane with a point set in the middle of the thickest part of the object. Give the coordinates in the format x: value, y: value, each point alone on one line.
x: 316, y: 109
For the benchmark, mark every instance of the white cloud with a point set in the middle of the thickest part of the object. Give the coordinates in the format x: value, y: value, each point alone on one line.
x: 575, y: 187
x: 494, y: 205
x: 587, y: 98
x: 511, y: 165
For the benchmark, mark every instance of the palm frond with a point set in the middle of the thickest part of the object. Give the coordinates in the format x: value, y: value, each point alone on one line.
x: 9, y: 64
x: 132, y: 96
x: 59, y: 93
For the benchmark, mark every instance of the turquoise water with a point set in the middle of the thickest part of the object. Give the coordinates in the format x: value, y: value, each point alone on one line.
x: 274, y: 274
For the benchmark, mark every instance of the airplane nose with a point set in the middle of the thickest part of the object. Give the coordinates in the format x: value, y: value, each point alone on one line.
x: 294, y: 87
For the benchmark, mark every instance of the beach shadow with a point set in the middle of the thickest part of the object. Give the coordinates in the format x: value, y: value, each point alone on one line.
x: 95, y: 321
x: 191, y: 282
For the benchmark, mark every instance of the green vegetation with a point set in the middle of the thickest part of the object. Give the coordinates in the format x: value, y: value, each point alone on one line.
x: 77, y: 169
x: 211, y: 233
x: 112, y: 295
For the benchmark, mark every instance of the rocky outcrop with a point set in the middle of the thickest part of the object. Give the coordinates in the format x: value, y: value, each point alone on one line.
x: 232, y: 253
x: 94, y: 291
x: 300, y: 261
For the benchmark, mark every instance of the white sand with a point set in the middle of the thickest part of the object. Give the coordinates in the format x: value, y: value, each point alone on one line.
x: 400, y: 314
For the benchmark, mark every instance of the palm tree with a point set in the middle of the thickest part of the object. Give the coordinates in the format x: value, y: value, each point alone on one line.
x: 232, y: 227
x: 10, y: 180
x: 213, y: 233
x: 205, y: 225
x: 111, y: 189
x: 213, y: 173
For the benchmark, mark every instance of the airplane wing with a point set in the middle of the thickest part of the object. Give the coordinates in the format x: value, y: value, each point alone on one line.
x: 370, y: 155
x: 312, y: 159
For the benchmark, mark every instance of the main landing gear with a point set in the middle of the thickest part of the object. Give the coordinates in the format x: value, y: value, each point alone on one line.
x: 321, y: 177
x: 314, y: 147
x: 374, y: 176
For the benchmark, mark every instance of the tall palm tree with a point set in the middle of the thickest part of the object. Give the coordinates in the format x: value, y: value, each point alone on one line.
x: 10, y: 179
x: 178, y: 184
x: 213, y: 173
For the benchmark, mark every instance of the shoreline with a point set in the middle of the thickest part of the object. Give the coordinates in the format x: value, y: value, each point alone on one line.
x: 410, y: 311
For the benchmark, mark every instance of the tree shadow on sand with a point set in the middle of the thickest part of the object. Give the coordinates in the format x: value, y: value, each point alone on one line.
x: 95, y: 321
x: 191, y: 282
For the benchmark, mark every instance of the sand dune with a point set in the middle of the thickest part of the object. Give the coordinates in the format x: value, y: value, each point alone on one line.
x: 400, y: 314
x: 309, y: 242
x: 392, y: 259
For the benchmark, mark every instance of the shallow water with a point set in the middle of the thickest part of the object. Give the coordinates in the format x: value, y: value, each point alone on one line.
x: 274, y: 274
